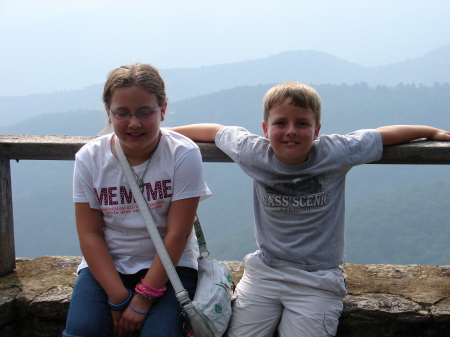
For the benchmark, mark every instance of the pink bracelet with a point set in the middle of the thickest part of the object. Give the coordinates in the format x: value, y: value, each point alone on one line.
x: 151, y: 289
x: 146, y: 292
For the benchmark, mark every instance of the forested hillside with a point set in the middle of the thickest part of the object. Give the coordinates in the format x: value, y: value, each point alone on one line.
x: 395, y: 214
x: 408, y: 225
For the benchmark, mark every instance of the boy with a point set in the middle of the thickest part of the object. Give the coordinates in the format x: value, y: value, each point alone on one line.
x: 294, y: 281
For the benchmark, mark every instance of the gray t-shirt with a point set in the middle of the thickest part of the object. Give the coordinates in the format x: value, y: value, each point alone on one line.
x: 299, y: 209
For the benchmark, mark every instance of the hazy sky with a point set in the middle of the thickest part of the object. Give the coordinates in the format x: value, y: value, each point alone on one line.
x: 54, y: 45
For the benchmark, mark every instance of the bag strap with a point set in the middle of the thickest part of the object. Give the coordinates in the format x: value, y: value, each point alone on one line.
x: 180, y: 292
x: 204, y: 252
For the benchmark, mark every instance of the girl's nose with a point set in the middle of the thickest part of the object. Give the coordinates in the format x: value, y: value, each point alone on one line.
x: 134, y: 120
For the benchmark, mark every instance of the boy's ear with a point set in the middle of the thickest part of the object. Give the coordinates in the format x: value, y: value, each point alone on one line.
x: 316, y: 131
x: 264, y: 127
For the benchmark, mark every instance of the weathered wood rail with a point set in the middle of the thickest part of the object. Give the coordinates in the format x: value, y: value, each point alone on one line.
x: 58, y: 147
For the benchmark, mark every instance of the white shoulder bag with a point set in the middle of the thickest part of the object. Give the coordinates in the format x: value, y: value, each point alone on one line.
x: 210, y: 311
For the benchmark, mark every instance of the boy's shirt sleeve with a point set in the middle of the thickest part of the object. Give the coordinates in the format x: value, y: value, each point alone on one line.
x: 230, y: 138
x: 352, y: 149
x: 364, y: 146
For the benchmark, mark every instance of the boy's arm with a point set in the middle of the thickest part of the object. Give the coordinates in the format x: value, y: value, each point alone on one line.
x: 205, y: 132
x: 396, y: 134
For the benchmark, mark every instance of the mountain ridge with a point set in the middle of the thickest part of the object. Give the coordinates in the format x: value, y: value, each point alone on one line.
x: 308, y: 66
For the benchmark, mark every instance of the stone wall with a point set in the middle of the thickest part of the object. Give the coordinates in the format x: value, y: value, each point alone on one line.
x: 383, y: 300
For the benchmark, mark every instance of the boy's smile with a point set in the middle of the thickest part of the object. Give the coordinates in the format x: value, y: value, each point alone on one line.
x: 291, y: 131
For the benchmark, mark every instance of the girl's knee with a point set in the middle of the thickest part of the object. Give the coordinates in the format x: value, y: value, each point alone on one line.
x: 167, y: 324
x: 86, y: 330
x: 85, y: 323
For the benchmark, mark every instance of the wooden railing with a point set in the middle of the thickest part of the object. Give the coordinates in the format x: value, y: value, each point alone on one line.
x: 65, y: 147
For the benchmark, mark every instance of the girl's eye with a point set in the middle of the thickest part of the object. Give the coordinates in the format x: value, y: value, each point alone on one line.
x: 122, y: 114
x: 143, y: 114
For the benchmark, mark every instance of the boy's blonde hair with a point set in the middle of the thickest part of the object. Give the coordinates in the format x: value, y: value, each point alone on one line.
x: 302, y: 96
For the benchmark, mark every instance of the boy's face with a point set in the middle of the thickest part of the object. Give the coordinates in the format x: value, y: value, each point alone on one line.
x: 291, y: 131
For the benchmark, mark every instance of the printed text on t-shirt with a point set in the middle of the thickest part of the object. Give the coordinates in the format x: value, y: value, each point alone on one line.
x: 122, y: 195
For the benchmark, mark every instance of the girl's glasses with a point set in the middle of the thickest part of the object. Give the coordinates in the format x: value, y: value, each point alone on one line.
x: 141, y: 114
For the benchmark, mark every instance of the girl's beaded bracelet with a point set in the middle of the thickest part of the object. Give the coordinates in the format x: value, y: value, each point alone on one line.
x: 144, y: 297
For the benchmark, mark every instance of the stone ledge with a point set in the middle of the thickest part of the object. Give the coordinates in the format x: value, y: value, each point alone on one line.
x: 383, y: 300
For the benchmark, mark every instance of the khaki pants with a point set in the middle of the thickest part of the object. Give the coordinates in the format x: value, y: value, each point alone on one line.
x: 293, y: 302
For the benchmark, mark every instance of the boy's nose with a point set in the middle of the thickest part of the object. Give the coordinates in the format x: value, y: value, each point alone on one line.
x: 291, y: 130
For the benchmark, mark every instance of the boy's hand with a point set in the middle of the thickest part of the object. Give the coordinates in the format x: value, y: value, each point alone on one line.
x: 396, y: 134
x: 440, y: 135
x: 205, y: 132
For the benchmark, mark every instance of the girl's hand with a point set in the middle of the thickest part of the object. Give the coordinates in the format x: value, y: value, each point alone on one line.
x: 131, y: 321
x: 121, y: 301
x: 116, y: 315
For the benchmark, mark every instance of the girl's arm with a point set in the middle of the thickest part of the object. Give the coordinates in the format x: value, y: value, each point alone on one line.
x: 205, y: 132
x: 180, y: 221
x: 89, y: 223
x: 396, y: 134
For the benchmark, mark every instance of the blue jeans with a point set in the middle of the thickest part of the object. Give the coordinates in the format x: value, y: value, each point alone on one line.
x: 89, y: 313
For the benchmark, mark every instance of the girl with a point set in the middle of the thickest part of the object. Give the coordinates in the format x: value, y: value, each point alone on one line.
x: 122, y: 286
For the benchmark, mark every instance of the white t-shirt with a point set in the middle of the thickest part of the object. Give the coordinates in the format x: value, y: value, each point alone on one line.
x: 175, y: 172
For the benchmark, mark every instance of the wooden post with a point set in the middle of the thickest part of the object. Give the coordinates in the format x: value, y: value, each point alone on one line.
x: 7, y: 251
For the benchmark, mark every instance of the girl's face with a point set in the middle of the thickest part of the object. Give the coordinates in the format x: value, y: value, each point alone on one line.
x: 138, y: 137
